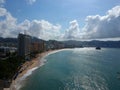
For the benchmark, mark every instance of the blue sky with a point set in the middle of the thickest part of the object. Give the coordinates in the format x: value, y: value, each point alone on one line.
x: 59, y: 11
x: 68, y: 15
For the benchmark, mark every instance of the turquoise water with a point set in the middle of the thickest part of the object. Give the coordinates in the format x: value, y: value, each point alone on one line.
x: 77, y: 69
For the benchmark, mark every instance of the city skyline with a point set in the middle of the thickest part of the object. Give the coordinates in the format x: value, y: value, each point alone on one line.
x: 61, y: 20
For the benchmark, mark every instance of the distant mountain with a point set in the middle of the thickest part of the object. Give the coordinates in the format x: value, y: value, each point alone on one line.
x: 70, y: 43
x: 94, y: 43
x: 8, y: 40
x: 35, y: 39
x: 15, y: 40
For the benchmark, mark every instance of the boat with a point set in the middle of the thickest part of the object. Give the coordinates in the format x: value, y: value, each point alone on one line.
x: 98, y: 48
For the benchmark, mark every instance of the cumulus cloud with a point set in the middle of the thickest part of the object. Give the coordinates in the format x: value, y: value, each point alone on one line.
x: 7, y: 23
x: 44, y: 30
x: 107, y: 26
x: 9, y: 27
x: 3, y: 11
x: 73, y: 32
x: 2, y: 2
x: 96, y: 27
x: 31, y: 1
x: 40, y: 28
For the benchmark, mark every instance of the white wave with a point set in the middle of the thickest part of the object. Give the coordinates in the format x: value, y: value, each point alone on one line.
x: 53, y: 52
x: 19, y: 82
x: 42, y: 62
x: 85, y: 49
x: 29, y: 72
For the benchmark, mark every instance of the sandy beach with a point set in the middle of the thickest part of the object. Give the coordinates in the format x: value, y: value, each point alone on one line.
x: 28, y: 66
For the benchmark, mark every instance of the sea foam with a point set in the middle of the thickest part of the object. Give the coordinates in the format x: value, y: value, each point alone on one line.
x: 19, y: 82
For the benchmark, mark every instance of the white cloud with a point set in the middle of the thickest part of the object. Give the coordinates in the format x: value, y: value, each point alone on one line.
x: 38, y: 28
x: 41, y: 29
x: 31, y: 1
x: 44, y: 30
x: 96, y: 26
x: 2, y: 11
x: 107, y: 26
x: 7, y: 23
x: 73, y: 31
x: 2, y: 1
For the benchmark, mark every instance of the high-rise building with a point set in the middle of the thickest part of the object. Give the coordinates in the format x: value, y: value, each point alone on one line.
x: 37, y: 46
x: 24, y: 43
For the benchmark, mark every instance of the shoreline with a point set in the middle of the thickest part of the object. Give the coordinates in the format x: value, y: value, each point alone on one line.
x: 28, y: 67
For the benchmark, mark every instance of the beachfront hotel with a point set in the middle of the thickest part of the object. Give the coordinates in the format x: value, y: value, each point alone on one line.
x: 24, y: 42
x: 28, y: 45
x: 37, y: 46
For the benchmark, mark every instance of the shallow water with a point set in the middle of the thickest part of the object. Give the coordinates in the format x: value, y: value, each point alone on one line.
x: 77, y: 69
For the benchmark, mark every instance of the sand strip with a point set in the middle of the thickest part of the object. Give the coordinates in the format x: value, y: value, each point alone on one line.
x: 27, y: 67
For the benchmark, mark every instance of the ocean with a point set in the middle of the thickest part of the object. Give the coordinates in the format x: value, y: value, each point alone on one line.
x: 77, y: 69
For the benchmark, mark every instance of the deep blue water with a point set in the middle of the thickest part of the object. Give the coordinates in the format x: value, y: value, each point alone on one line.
x: 78, y: 69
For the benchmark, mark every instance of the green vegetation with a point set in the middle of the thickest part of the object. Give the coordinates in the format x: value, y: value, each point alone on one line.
x: 10, y: 66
